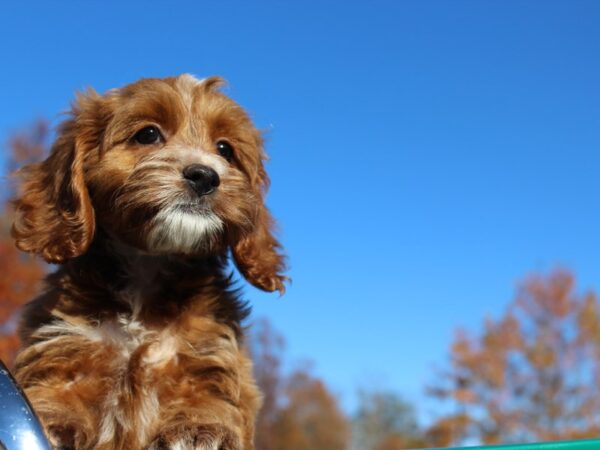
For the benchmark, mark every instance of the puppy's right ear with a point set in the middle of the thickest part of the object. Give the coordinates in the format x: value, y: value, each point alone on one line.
x: 54, y: 216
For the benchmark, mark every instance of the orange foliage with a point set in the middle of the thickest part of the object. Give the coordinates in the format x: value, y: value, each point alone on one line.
x: 311, y: 417
x: 532, y: 375
x: 298, y: 412
x: 447, y: 430
x: 392, y: 442
x: 20, y: 274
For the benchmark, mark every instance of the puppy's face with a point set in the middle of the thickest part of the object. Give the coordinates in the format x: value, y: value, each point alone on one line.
x: 169, y: 166
x: 178, y: 167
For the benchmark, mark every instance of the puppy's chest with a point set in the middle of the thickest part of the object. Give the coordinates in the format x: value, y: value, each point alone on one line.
x: 130, y: 338
x: 139, y: 357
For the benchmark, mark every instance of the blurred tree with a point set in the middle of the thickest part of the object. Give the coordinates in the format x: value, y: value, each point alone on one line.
x: 385, y: 422
x: 298, y: 412
x: 267, y: 351
x: 20, y: 274
x: 27, y: 146
x: 310, y: 417
x: 532, y: 375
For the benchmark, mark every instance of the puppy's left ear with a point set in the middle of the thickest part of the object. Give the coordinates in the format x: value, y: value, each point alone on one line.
x: 258, y: 255
x: 54, y: 215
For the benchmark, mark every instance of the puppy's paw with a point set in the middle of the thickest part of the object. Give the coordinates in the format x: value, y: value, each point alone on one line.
x: 197, y: 437
x: 62, y: 437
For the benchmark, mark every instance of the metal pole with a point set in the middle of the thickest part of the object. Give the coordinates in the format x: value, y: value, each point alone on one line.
x: 20, y: 428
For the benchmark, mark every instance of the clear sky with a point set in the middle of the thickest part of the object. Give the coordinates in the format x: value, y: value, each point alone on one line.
x: 426, y: 155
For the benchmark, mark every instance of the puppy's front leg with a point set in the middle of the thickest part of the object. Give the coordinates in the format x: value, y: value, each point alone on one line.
x: 207, y: 395
x: 66, y: 388
x: 197, y: 437
x: 207, y: 413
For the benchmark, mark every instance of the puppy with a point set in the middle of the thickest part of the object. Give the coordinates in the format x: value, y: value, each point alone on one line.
x: 137, y: 341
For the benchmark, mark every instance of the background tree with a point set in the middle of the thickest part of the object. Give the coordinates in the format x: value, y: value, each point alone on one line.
x: 267, y: 348
x: 532, y: 375
x: 385, y: 422
x: 20, y: 274
x: 310, y: 416
x: 299, y: 411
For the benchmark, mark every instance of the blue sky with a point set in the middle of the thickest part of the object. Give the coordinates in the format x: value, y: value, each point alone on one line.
x: 426, y: 155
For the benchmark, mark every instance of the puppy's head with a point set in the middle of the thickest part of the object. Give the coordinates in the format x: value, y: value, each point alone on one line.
x: 169, y: 166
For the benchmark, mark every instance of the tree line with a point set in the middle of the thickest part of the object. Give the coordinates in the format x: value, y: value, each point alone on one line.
x: 532, y: 374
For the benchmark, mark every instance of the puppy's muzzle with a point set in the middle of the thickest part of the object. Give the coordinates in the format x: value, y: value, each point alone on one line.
x: 202, y: 179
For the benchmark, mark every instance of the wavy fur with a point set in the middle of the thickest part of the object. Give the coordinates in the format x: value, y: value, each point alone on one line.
x: 137, y: 341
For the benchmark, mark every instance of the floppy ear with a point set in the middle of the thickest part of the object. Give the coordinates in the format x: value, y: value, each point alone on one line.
x: 54, y: 216
x: 257, y: 254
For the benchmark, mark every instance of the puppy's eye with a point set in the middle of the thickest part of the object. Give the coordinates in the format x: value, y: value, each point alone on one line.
x: 148, y: 135
x: 225, y: 149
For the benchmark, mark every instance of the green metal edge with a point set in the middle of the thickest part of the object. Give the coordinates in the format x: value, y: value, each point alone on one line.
x: 589, y: 444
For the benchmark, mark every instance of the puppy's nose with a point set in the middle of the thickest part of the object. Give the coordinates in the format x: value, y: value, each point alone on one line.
x: 202, y: 179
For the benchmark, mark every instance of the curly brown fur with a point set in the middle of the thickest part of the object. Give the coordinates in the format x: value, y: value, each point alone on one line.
x: 137, y: 341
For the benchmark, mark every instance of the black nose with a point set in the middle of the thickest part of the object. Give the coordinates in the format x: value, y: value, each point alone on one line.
x: 202, y: 179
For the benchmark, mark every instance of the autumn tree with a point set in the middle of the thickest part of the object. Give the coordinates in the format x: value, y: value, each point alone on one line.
x: 384, y: 421
x: 531, y: 375
x: 20, y: 274
x: 299, y: 412
x: 267, y: 352
x: 310, y: 416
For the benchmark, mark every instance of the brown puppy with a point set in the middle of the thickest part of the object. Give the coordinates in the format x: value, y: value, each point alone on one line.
x: 136, y: 342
